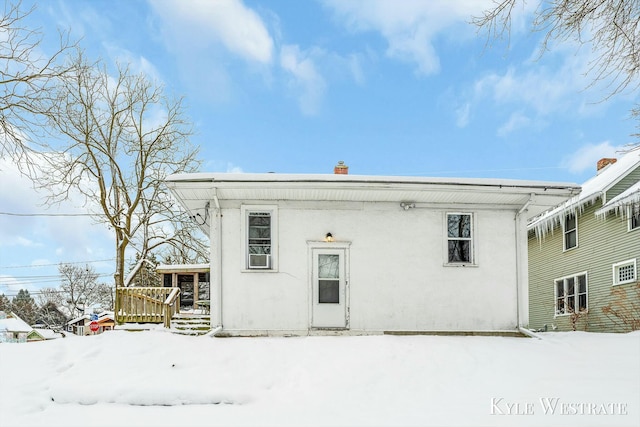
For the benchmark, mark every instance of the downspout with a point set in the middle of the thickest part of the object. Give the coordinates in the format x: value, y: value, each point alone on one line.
x: 216, y: 265
x: 519, y: 279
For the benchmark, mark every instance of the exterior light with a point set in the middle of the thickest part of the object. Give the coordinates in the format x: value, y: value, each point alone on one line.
x: 328, y: 237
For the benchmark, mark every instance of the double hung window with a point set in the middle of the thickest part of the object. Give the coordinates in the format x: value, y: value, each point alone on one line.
x: 460, y: 238
x: 570, y: 231
x: 260, y: 237
x: 571, y: 294
x: 634, y: 221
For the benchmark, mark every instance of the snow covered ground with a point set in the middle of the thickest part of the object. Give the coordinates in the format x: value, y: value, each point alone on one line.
x: 156, y: 378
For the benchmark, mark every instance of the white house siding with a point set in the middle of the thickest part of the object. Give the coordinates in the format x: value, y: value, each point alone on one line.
x: 397, y: 277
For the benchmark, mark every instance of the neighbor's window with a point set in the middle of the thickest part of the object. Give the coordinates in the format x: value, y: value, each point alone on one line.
x: 634, y: 221
x: 570, y: 232
x: 624, y: 272
x: 571, y: 294
x: 459, y: 238
x: 260, y: 237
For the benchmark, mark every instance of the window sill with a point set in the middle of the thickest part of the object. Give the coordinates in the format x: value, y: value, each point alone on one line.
x: 459, y: 264
x: 580, y: 313
x: 259, y: 270
x: 630, y: 282
x: 570, y: 249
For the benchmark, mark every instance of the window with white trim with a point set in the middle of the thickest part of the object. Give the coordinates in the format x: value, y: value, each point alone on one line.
x: 571, y: 294
x: 570, y: 231
x: 459, y: 238
x: 259, y: 237
x: 624, y: 272
x: 634, y: 221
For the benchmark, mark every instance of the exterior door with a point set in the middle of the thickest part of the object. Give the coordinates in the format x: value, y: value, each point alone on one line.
x: 329, y: 288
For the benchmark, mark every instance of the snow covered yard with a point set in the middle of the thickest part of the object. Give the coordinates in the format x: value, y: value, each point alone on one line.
x: 156, y: 378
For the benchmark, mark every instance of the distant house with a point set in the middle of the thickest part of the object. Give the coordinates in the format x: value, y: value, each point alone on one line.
x: 13, y: 329
x: 340, y: 253
x: 81, y: 325
x: 40, y: 334
x: 584, y: 254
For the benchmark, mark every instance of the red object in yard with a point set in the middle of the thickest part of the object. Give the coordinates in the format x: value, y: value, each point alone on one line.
x: 94, y: 326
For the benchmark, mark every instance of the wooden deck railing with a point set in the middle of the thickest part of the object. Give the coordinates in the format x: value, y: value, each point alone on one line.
x: 147, y: 305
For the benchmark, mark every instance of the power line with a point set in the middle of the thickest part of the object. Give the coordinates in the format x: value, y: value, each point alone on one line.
x: 29, y: 280
x: 46, y: 214
x: 58, y: 263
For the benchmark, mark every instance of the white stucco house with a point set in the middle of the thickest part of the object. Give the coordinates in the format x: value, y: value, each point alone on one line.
x: 340, y: 253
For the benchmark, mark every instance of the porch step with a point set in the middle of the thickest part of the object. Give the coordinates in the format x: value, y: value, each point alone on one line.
x: 190, y: 324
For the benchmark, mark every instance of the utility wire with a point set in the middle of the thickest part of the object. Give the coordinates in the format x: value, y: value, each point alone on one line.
x: 58, y: 263
x: 46, y: 214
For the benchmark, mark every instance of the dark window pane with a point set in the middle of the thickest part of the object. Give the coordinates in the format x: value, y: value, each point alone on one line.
x: 459, y: 251
x: 328, y: 291
x: 635, y: 221
x: 582, y: 284
x: 570, y: 286
x: 571, y: 303
x: 582, y: 302
x: 259, y: 219
x: 560, y: 288
x: 570, y: 222
x: 259, y: 249
x: 571, y: 240
x: 459, y: 225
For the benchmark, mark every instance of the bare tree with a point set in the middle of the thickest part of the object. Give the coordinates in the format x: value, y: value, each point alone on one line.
x: 122, y: 136
x: 27, y: 76
x: 610, y: 27
x: 51, y: 316
x: 78, y: 288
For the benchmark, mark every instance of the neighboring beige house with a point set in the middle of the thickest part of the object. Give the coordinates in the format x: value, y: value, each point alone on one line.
x: 13, y: 329
x: 584, y: 254
x: 81, y: 325
x: 348, y: 254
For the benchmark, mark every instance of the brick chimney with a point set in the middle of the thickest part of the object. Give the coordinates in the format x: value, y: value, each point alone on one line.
x: 604, y: 162
x: 341, y: 169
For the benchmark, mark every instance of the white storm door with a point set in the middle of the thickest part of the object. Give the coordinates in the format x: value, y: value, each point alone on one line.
x: 329, y: 304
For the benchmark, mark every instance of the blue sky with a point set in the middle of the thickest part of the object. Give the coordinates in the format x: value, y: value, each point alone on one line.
x: 391, y: 88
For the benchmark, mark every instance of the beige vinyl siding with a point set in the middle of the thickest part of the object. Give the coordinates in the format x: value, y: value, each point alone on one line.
x: 601, y: 243
x: 623, y: 184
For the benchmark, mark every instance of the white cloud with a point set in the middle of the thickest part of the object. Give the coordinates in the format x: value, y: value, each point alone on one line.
x: 137, y: 64
x: 10, y: 285
x: 409, y: 26
x: 587, y: 156
x: 231, y: 168
x: 462, y: 115
x: 515, y: 122
x: 306, y: 81
x: 25, y: 239
x: 199, y: 23
x: 538, y: 89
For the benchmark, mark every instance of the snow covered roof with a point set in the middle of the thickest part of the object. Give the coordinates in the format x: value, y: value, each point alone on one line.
x: 48, y: 334
x: 626, y: 202
x: 101, y: 317
x: 193, y: 268
x: 592, y: 190
x: 14, y: 324
x: 194, y: 191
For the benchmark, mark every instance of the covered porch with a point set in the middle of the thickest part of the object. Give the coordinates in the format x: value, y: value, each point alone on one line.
x: 185, y: 290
